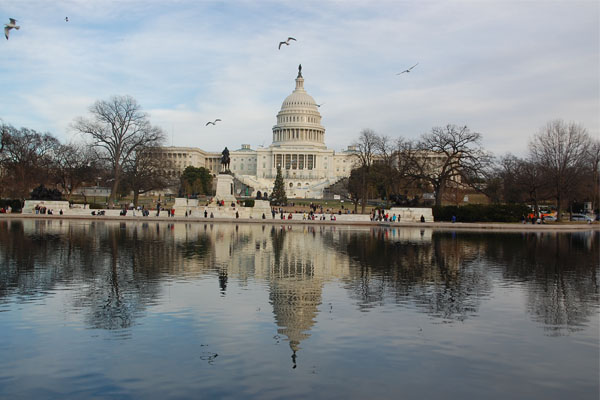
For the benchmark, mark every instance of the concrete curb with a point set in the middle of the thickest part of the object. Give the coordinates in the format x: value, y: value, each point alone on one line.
x: 505, y: 227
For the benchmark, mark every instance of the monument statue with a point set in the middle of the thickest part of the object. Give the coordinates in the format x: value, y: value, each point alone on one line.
x: 225, y: 160
x: 299, y: 70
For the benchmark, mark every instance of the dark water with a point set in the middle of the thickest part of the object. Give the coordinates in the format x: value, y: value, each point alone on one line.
x: 161, y: 311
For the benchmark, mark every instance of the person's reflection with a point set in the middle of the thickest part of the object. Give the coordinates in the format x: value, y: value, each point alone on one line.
x: 223, y: 281
x: 294, y: 360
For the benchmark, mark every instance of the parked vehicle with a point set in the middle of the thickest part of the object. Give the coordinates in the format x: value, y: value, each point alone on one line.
x: 581, y: 217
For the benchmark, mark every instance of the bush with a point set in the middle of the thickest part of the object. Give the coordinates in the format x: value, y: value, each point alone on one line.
x: 43, y: 193
x: 249, y: 203
x: 481, y: 212
x: 14, y: 204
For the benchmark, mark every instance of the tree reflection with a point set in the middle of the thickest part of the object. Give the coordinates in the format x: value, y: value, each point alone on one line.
x: 561, y: 275
x: 452, y: 274
x: 441, y: 276
x: 119, y: 267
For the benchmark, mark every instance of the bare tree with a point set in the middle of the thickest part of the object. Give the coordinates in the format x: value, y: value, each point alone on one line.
x: 118, y: 128
x: 26, y: 160
x: 73, y: 166
x: 385, y: 168
x: 594, y: 164
x: 144, y: 171
x: 523, y: 181
x: 404, y: 154
x: 366, y: 149
x: 4, y: 135
x: 561, y: 150
x: 449, y: 155
x: 355, y: 186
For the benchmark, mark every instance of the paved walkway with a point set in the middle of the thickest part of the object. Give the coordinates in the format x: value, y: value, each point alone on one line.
x: 514, y: 227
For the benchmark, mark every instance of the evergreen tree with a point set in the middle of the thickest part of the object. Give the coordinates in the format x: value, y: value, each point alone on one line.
x: 196, y: 181
x: 278, y: 196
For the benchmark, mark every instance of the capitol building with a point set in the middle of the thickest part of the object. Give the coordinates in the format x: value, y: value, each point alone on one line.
x: 298, y: 147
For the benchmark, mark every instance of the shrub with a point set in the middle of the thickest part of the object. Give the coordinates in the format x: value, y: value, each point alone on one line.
x: 14, y: 204
x: 43, y: 193
x: 249, y: 203
x: 481, y: 212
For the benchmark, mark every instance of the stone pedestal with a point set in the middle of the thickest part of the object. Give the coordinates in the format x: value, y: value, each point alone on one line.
x: 225, y: 188
x: 261, y: 207
x: 55, y: 206
x: 184, y: 205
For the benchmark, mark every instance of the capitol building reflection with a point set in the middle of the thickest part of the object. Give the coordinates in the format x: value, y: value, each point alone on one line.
x: 122, y: 267
x: 294, y: 261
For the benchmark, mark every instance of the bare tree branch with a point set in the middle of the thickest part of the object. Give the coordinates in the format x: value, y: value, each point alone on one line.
x: 561, y: 149
x: 119, y: 128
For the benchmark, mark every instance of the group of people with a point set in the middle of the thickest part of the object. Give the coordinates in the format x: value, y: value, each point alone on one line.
x: 533, y: 219
x: 146, y: 212
x: 6, y: 210
x: 40, y: 209
x: 310, y: 216
x: 382, y: 215
x: 170, y: 211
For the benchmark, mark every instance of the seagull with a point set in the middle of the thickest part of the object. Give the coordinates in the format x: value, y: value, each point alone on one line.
x: 287, y: 42
x: 9, y: 26
x: 407, y: 70
x: 212, y: 123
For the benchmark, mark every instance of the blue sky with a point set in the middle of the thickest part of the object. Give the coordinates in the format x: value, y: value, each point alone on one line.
x: 502, y: 68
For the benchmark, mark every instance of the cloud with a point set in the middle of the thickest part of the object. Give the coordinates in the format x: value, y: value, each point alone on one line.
x: 503, y: 69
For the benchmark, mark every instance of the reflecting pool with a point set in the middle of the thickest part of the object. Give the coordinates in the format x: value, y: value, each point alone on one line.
x: 157, y: 310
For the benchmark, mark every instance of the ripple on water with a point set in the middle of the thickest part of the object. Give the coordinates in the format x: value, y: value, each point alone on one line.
x: 179, y: 311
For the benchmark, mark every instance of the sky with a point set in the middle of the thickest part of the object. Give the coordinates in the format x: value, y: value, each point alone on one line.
x: 502, y: 68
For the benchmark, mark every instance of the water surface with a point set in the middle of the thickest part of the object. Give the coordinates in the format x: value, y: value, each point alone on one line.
x: 93, y: 309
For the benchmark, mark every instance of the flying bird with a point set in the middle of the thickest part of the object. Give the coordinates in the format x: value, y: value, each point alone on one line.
x: 67, y: 19
x: 407, y: 70
x: 287, y: 42
x: 319, y: 105
x: 9, y: 26
x: 212, y: 123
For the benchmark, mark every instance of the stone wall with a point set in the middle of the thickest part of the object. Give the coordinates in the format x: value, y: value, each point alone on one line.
x: 55, y: 206
x: 412, y: 214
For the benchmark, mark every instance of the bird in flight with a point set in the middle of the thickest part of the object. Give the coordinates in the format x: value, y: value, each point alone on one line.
x: 67, y: 19
x: 9, y: 26
x: 319, y: 105
x: 287, y: 42
x: 212, y: 123
x: 407, y: 70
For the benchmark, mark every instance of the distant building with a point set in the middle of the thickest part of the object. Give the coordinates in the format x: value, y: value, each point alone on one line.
x: 93, y: 191
x: 298, y: 146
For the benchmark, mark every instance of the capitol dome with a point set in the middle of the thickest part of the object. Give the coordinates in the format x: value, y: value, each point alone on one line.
x: 299, y: 120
